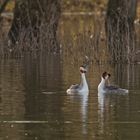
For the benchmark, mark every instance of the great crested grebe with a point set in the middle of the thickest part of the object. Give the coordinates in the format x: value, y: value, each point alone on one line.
x: 83, y: 86
x: 105, y: 87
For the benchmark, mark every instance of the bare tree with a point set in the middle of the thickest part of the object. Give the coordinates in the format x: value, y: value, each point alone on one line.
x: 120, y: 29
x: 35, y: 24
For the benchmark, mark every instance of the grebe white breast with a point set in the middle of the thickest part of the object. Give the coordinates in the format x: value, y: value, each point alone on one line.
x: 105, y: 87
x: 83, y: 86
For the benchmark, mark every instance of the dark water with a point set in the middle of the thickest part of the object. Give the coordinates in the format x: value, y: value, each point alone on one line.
x: 34, y: 104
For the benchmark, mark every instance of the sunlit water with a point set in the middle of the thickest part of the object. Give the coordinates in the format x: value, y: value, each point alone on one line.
x: 34, y: 104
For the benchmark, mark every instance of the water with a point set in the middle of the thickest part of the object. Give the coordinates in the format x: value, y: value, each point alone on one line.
x: 34, y: 104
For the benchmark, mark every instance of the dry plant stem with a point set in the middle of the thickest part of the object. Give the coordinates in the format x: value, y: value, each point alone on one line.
x: 120, y: 29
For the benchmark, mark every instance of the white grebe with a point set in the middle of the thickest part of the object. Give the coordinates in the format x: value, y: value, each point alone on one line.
x: 105, y: 87
x: 83, y: 86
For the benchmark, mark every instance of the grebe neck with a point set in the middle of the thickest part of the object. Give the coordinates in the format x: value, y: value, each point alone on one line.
x: 83, y: 80
x: 102, y: 84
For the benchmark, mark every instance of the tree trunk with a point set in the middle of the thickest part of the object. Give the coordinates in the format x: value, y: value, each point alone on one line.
x: 120, y: 29
x: 35, y: 25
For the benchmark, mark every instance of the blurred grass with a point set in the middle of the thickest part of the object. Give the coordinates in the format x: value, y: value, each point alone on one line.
x: 83, y: 5
x: 76, y: 6
x: 10, y: 6
x: 97, y: 6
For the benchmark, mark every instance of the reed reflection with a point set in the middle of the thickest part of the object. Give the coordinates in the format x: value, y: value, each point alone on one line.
x: 43, y: 100
x: 11, y: 98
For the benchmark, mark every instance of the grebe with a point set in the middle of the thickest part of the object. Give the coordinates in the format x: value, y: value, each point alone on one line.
x: 83, y: 86
x: 105, y: 87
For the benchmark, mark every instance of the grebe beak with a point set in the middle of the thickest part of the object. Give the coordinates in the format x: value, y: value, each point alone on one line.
x: 109, y: 75
x: 82, y: 69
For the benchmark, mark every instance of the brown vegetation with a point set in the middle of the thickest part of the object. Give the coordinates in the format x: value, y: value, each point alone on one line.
x: 90, y: 40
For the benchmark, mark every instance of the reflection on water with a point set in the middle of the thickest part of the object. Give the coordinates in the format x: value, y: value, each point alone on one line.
x: 34, y: 103
x: 101, y: 110
x: 82, y: 103
x: 108, y: 105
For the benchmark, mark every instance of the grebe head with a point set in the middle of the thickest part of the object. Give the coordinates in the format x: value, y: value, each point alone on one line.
x: 83, y: 69
x: 106, y: 75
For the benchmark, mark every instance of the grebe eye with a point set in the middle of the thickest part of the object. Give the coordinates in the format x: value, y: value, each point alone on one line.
x: 109, y: 74
x: 82, y: 71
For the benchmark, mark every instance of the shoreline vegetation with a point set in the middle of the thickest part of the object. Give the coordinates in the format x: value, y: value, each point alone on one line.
x: 90, y: 41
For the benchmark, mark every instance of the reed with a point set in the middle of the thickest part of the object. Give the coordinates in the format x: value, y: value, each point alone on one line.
x: 119, y: 46
x: 120, y: 30
x: 121, y: 40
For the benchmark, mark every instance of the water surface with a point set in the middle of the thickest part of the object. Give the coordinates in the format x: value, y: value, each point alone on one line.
x: 34, y: 103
